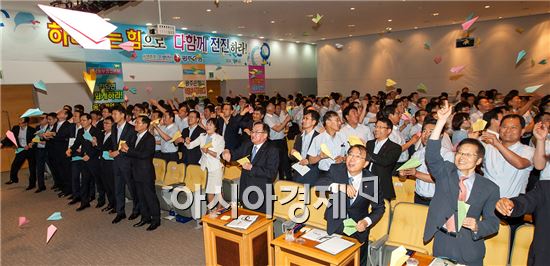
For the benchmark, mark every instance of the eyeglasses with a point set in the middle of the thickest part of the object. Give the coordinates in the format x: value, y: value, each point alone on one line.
x: 258, y: 132
x: 379, y: 127
x: 356, y: 156
x: 467, y: 155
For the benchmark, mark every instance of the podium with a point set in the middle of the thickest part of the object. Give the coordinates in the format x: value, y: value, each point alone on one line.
x: 229, y: 246
x: 294, y: 253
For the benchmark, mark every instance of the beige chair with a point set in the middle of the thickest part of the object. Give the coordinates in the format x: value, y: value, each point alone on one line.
x: 497, y: 247
x: 160, y: 170
x: 407, y: 227
x: 522, y: 243
x: 404, y: 191
x: 281, y: 210
x: 175, y: 173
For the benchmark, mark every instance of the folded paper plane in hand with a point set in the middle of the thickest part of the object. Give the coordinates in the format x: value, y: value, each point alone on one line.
x: 350, y: 227
x: 176, y: 136
x: 32, y: 112
x: 87, y: 136
x: 11, y: 137
x: 297, y: 155
x: 40, y: 85
x: 355, y: 140
x: 326, y: 150
x: 411, y: 163
x: 479, y: 125
x: 243, y: 161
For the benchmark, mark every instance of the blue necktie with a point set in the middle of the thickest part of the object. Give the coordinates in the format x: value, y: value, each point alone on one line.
x: 254, y: 150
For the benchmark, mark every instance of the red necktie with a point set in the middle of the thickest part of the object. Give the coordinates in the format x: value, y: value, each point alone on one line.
x: 462, y: 194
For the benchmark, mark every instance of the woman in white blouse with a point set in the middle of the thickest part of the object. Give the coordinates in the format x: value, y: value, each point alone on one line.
x: 212, y: 145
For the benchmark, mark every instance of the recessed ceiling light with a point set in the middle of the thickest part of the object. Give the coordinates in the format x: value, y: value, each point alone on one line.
x: 184, y: 28
x: 310, y: 16
x: 262, y: 37
x: 487, y: 6
x: 107, y: 19
x: 415, y: 28
x: 313, y: 43
x: 297, y: 41
x: 214, y: 32
x: 388, y: 28
x: 323, y: 39
x: 390, y: 20
x: 350, y: 35
x: 281, y: 40
x: 148, y: 24
x: 499, y: 17
x: 352, y: 8
x: 209, y: 10
x: 239, y: 35
x: 241, y: 27
x: 176, y: 17
x: 351, y: 25
x: 272, y: 22
x: 435, y: 14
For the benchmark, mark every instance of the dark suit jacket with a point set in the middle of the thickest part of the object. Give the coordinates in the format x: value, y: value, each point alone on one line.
x: 359, y: 209
x: 86, y: 147
x: 191, y: 156
x: 61, y: 139
x: 264, y: 169
x: 128, y: 135
x: 483, y: 198
x: 384, y: 163
x: 231, y: 136
x: 107, y: 146
x: 313, y: 174
x: 15, y: 129
x: 141, y: 157
x: 537, y: 201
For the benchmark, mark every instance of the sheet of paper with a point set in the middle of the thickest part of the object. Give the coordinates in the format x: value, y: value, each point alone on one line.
x: 301, y: 169
x: 326, y: 151
x: 120, y: 144
x: 463, y: 208
x: 50, y: 232
x: 316, y: 235
x: 334, y: 245
x: 105, y: 156
x: 411, y: 163
x: 479, y: 125
x: 398, y: 256
x: 243, y: 222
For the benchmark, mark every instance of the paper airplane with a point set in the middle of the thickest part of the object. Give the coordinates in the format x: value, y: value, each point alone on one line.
x: 457, y: 69
x: 532, y: 89
x: 422, y: 88
x: 23, y: 221
x: 132, y: 76
x: 520, y: 56
x: 354, y: 140
x: 11, y: 137
x: 243, y: 161
x: 406, y: 116
x: 56, y: 216
x: 149, y: 89
x: 350, y: 227
x: 466, y: 25
x: 317, y: 18
x: 297, y: 155
x: 90, y: 79
x: 120, y: 144
x: 326, y: 150
x: 176, y: 136
x: 399, y: 256
x: 89, y: 30
x: 208, y: 145
x: 542, y: 62
x: 463, y: 208
x: 173, y: 89
x: 471, y: 16
x: 390, y: 83
x: 181, y: 84
x: 133, y: 90
x: 36, y: 139
x: 427, y: 45
x: 40, y: 85
x: 438, y: 59
x: 411, y: 163
x: 32, y: 112
x: 87, y: 136
x: 127, y: 46
x: 520, y: 30
x: 479, y: 125
x: 51, y: 231
x: 126, y: 98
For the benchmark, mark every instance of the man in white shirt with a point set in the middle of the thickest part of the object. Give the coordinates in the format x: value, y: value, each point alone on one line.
x: 332, y: 140
x: 277, y: 136
x: 168, y: 149
x: 352, y: 126
x: 396, y: 136
x: 483, y: 105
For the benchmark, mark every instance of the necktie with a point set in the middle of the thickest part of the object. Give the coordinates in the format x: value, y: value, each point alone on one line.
x: 350, y: 182
x: 254, y: 150
x: 462, y: 194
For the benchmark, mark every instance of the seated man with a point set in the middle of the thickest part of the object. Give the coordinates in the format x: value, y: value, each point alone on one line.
x: 347, y: 180
x: 454, y: 183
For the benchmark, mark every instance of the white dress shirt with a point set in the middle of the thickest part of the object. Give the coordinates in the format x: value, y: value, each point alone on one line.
x: 338, y: 146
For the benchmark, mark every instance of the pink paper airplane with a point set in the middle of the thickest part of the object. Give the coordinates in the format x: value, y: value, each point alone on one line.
x: 125, y: 88
x: 438, y: 59
x: 11, y: 137
x: 149, y: 89
x: 466, y: 25
x: 51, y: 231
x: 126, y: 98
x: 127, y: 46
x: 89, y: 30
x: 457, y: 69
x: 23, y: 221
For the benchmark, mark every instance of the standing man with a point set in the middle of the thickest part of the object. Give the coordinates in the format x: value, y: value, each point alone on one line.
x: 168, y: 149
x: 458, y: 182
x: 62, y: 132
x: 191, y: 156
x: 41, y: 153
x: 278, y: 138
x: 228, y: 126
x: 23, y: 134
x: 123, y: 132
x: 260, y: 172
x: 141, y: 152
x: 303, y: 143
x: 333, y: 140
x: 106, y: 162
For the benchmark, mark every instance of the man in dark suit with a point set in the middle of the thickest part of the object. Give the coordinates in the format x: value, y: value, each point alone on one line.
x: 228, y: 126
x: 260, y: 172
x: 60, y: 135
x: 107, y: 177
x: 86, y: 140
x: 383, y: 154
x: 355, y: 194
x: 123, y: 132
x: 52, y: 122
x: 23, y: 134
x: 456, y: 184
x: 141, y: 151
x: 302, y: 144
x: 191, y: 156
x: 41, y: 152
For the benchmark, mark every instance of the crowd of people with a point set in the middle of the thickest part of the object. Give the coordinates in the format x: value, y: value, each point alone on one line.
x: 501, y: 170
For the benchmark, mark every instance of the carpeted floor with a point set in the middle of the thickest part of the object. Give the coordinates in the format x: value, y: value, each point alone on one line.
x: 87, y: 237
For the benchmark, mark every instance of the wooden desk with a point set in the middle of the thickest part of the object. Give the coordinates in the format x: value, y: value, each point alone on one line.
x: 228, y: 246
x: 293, y: 253
x: 423, y: 259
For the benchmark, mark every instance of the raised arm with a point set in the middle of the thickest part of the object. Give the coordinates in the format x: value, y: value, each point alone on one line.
x: 540, y: 158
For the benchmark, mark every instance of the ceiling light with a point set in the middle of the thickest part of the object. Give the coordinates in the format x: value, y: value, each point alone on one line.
x: 281, y: 40
x: 499, y: 17
x: 323, y: 39
x: 241, y: 27
x: 262, y: 37
x: 209, y: 10
x: 239, y: 35
x: 388, y: 29
x: 214, y: 32
x: 352, y: 8
x: 415, y: 28
x: 310, y: 16
x: 176, y: 17
x: 435, y: 14
x: 351, y: 25
x: 184, y: 28
x: 390, y: 20
x: 350, y: 35
x: 107, y: 19
x: 487, y: 6
x: 297, y: 41
x: 148, y: 24
x: 272, y: 22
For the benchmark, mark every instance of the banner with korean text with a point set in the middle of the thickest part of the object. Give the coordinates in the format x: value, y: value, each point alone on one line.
x: 109, y: 84
x: 256, y: 79
x: 194, y: 81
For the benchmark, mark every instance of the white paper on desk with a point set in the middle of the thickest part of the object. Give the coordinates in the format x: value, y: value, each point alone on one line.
x: 317, y: 235
x: 334, y: 245
x: 442, y: 262
x: 243, y: 222
x: 301, y: 169
x: 88, y: 29
x: 399, y: 256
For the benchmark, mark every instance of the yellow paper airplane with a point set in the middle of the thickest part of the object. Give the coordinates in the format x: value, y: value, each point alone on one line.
x: 479, y: 125
x: 297, y: 155
x: 176, y: 136
x: 208, y: 145
x: 354, y: 140
x: 156, y: 121
x: 181, y: 84
x: 326, y: 151
x: 120, y: 144
x: 90, y: 79
x: 390, y: 82
x: 243, y: 161
x: 36, y: 139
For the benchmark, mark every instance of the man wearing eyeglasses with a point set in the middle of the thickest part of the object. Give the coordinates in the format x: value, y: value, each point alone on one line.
x: 262, y: 168
x: 458, y: 186
x: 347, y: 182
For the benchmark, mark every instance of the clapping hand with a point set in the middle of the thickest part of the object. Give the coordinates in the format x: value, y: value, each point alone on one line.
x: 540, y: 131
